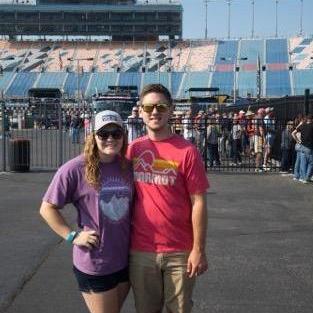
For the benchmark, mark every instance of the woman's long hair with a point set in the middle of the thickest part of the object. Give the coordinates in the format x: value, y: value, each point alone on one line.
x: 92, y: 160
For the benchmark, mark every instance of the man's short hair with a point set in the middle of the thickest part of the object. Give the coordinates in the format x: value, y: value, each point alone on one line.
x: 156, y: 88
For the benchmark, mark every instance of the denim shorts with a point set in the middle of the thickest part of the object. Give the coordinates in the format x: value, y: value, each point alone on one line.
x: 94, y: 283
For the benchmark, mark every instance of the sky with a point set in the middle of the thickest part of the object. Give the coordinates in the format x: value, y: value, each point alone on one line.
x: 241, y: 18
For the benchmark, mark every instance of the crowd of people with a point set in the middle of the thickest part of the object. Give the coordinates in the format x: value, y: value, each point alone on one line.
x: 243, y: 138
x: 249, y: 138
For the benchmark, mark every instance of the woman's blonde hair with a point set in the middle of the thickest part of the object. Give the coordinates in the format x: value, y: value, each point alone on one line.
x: 92, y: 160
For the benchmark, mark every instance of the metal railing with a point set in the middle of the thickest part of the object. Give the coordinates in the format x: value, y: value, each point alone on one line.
x: 225, y: 145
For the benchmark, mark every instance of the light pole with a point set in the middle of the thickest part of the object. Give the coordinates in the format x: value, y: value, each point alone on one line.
x: 252, y: 28
x: 229, y: 4
x: 206, y: 2
x: 79, y: 93
x: 276, y: 13
x: 301, y: 18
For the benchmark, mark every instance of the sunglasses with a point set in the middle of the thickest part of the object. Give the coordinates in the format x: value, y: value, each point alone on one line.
x: 114, y: 133
x: 149, y: 107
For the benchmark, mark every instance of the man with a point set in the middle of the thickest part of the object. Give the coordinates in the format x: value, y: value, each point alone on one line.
x: 200, y: 130
x: 259, y: 139
x: 306, y: 162
x: 269, y: 124
x: 134, y: 125
x: 170, y: 218
x: 188, y: 127
x: 75, y: 128
x: 213, y: 133
x: 287, y: 148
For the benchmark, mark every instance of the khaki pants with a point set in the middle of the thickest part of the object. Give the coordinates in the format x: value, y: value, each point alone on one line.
x: 161, y: 279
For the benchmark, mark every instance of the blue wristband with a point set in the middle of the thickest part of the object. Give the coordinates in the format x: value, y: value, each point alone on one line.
x: 71, y: 236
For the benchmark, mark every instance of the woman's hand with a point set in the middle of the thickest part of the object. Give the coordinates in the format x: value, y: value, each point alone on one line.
x: 88, y: 239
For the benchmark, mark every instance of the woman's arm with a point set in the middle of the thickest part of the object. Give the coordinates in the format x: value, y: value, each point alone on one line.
x: 51, y: 214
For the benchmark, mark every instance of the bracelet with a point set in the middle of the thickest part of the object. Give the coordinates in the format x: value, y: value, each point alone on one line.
x: 71, y: 236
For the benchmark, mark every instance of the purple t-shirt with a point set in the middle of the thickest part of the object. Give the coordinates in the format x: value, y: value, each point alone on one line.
x: 106, y: 211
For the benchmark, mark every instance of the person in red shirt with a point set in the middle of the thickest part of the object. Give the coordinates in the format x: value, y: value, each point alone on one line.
x: 169, y: 221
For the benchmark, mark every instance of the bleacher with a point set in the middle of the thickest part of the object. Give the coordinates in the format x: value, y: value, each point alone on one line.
x: 278, y: 83
x: 286, y: 65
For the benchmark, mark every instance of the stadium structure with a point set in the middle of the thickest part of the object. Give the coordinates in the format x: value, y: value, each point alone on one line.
x: 116, y: 19
x: 254, y: 68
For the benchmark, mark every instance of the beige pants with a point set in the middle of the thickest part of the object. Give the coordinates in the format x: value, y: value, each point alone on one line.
x: 161, y: 279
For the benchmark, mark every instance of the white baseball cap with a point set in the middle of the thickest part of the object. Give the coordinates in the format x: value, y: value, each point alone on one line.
x: 107, y: 117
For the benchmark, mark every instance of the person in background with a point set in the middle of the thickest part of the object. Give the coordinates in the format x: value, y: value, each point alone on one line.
x: 168, y: 231
x: 75, y: 128
x: 200, y: 130
x: 287, y: 148
x: 244, y: 135
x: 99, y: 183
x: 188, y: 130
x: 134, y: 125
x: 270, y: 130
x: 306, y: 162
x: 296, y: 135
x: 250, y: 131
x: 213, y: 133
x: 236, y: 141
x: 259, y: 139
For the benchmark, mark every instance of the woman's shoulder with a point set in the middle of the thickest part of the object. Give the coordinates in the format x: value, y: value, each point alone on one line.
x: 74, y: 164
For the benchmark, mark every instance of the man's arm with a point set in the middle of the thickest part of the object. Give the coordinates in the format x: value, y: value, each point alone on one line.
x: 197, y: 261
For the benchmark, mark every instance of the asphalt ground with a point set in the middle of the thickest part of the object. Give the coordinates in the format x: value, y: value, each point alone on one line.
x: 259, y: 248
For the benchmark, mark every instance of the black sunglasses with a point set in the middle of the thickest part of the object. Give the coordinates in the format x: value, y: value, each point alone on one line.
x: 116, y: 133
x: 149, y: 107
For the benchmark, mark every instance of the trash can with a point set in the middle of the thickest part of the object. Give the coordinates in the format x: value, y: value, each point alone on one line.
x: 19, y: 155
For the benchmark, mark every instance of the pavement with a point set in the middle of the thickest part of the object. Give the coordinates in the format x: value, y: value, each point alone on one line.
x: 259, y: 248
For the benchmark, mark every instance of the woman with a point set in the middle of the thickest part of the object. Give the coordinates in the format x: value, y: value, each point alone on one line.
x: 99, y: 184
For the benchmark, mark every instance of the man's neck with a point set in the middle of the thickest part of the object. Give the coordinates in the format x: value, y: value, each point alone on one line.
x: 159, y: 135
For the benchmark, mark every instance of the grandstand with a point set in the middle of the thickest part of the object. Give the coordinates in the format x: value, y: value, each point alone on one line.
x: 286, y: 66
x: 113, y: 19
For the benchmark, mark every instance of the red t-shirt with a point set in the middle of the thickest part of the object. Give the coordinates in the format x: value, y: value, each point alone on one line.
x: 166, y: 173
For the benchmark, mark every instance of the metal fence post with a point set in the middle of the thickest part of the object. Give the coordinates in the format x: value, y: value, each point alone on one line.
x: 3, y: 133
x: 205, y: 152
x: 306, y: 101
x: 60, y: 132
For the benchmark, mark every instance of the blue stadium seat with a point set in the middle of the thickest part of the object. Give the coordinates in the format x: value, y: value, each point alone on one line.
x: 99, y: 82
x: 277, y: 83
x: 276, y: 51
x: 227, y: 52
x: 70, y: 87
x: 21, y: 84
x: 247, y: 84
x: 303, y: 79
x: 51, y: 80
x: 5, y: 79
x: 176, y: 81
x: 251, y: 49
x: 224, y: 81
x: 195, y: 80
x: 130, y: 79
